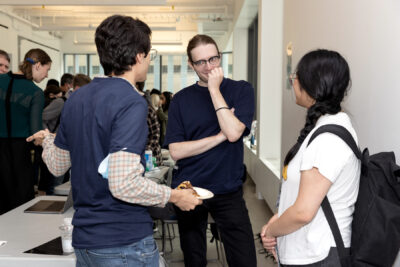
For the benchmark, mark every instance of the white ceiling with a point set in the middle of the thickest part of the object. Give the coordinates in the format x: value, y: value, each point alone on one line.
x: 173, y: 21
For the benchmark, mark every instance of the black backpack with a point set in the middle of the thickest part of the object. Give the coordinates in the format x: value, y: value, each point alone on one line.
x: 375, y: 239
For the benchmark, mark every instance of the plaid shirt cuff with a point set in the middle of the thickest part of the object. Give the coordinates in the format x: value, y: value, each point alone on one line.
x: 126, y: 181
x: 58, y: 160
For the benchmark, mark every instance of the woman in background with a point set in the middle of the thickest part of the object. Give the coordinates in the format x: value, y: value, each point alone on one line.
x: 327, y: 167
x: 22, y: 103
x: 54, y: 103
x: 162, y: 113
x: 152, y: 124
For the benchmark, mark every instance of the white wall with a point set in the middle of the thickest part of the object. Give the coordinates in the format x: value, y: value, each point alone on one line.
x: 11, y: 45
x: 365, y: 32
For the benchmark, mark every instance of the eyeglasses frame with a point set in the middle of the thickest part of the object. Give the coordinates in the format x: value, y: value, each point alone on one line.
x: 203, y: 62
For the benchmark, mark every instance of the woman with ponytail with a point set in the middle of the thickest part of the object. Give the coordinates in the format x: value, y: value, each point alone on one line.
x: 21, y: 106
x: 327, y: 167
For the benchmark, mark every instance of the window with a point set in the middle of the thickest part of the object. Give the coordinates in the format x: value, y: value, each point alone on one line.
x: 88, y: 64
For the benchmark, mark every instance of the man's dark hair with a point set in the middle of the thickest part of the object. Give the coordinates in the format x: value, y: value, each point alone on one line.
x: 5, y: 55
x: 119, y: 39
x: 66, y: 78
x: 53, y: 82
x: 199, y: 39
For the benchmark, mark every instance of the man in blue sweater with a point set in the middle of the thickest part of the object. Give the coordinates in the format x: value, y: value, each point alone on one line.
x: 112, y: 226
x: 206, y: 123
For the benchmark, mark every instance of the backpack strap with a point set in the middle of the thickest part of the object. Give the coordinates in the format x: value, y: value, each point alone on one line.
x: 346, y: 136
x: 341, y: 132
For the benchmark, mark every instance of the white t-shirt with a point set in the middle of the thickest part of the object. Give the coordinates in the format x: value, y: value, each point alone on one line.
x: 337, y: 162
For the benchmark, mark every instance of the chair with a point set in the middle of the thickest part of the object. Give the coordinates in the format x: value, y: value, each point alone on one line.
x: 166, y: 235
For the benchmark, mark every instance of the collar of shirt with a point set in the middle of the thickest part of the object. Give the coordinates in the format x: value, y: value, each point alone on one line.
x: 134, y: 87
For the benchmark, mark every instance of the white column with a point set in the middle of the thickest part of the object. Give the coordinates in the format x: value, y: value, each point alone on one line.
x: 270, y: 55
x: 240, y: 46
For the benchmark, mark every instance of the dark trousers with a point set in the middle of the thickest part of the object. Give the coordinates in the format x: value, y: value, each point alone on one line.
x: 232, y: 219
x: 16, y: 173
x: 332, y: 260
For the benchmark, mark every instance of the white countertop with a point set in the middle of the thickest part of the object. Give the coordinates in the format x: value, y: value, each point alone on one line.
x: 24, y: 231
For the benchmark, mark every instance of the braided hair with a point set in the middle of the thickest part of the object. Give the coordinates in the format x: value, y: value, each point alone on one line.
x: 325, y: 76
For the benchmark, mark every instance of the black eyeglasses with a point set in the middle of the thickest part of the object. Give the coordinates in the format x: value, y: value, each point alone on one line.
x: 292, y: 77
x: 153, y: 54
x: 212, y: 60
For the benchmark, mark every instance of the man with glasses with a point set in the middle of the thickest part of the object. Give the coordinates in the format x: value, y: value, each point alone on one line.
x: 105, y: 121
x: 206, y: 123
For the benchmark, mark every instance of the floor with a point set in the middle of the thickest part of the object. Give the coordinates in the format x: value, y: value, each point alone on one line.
x: 259, y: 215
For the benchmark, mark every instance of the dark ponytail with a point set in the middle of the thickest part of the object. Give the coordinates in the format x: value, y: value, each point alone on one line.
x: 325, y: 76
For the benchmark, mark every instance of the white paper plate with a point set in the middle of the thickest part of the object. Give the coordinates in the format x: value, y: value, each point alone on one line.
x: 204, y: 193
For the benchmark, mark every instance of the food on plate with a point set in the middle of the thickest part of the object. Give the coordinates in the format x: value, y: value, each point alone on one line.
x: 187, y: 185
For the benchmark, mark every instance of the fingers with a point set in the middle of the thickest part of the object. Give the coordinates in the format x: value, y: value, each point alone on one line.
x: 268, y: 243
x: 38, y: 137
x: 215, y: 78
x: 186, y: 200
x: 263, y: 229
x: 273, y: 251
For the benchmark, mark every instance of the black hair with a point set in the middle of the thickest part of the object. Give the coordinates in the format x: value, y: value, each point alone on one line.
x: 51, y: 89
x: 119, y: 39
x: 140, y: 86
x: 325, y: 76
x: 66, y: 78
x: 53, y: 82
x: 168, y: 96
x: 155, y: 91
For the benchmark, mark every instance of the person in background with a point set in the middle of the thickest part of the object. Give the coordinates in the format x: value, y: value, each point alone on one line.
x: 162, y: 114
x: 52, y: 82
x: 66, y: 84
x: 153, y: 127
x: 206, y: 125
x: 54, y: 103
x: 107, y: 118
x: 4, y: 62
x: 50, y: 93
x: 21, y: 105
x: 80, y: 80
x: 155, y: 91
x: 326, y: 167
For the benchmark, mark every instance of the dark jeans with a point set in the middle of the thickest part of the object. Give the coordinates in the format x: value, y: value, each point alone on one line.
x: 331, y: 261
x: 16, y: 173
x: 231, y: 216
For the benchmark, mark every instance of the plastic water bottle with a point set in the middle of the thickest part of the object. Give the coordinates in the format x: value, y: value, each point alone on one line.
x: 66, y: 235
x: 149, y: 160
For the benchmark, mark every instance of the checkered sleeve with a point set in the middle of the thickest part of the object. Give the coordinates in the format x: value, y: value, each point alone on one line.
x: 58, y: 160
x: 126, y: 182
